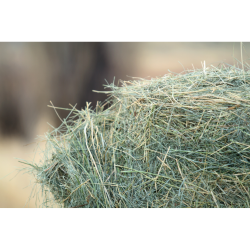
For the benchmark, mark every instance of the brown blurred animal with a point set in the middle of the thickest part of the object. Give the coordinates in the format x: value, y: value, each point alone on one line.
x: 32, y: 74
x: 81, y: 68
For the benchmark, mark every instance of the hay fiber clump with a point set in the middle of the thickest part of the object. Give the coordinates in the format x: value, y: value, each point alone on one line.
x: 182, y: 140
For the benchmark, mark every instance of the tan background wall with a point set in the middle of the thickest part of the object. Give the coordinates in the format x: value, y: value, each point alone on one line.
x: 32, y: 74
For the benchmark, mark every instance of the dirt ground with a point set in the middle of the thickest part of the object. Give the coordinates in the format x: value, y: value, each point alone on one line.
x: 16, y: 187
x: 15, y: 190
x: 147, y: 59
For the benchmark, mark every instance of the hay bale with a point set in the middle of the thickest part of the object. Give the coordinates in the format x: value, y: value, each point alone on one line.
x: 182, y: 140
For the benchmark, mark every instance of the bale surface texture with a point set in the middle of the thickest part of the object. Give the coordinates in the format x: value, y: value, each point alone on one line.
x: 181, y: 140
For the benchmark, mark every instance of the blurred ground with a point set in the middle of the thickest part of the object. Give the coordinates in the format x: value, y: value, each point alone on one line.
x: 32, y: 74
x: 16, y: 187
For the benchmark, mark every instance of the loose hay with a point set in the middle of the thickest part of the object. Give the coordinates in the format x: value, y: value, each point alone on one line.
x: 182, y: 140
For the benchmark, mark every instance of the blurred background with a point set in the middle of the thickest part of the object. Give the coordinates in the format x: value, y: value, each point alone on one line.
x: 33, y: 74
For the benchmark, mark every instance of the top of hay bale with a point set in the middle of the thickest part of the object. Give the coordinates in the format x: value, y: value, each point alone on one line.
x: 182, y: 140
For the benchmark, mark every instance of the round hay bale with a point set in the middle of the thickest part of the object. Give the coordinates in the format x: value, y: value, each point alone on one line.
x: 182, y: 140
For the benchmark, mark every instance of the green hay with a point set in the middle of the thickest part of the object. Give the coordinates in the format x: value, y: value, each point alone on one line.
x: 182, y: 140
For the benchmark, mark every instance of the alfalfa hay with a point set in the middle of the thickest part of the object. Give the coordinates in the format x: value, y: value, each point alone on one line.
x: 182, y: 140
